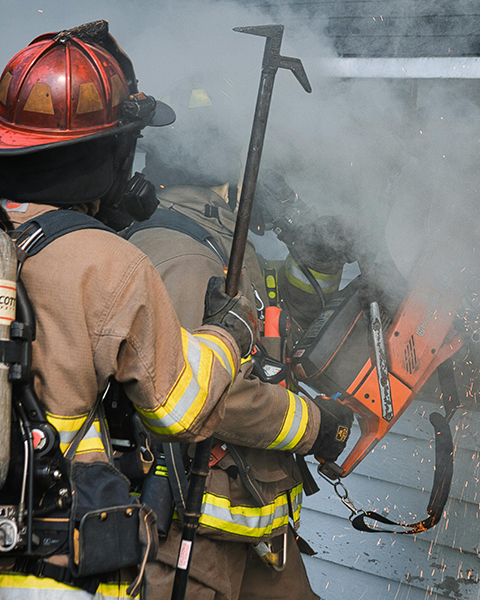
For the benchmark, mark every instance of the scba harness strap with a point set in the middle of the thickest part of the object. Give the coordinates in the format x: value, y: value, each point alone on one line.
x: 107, y: 531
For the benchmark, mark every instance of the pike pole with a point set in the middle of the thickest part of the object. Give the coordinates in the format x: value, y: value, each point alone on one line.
x: 272, y: 61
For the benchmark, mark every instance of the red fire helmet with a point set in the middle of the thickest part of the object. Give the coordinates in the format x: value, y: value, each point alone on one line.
x: 68, y: 86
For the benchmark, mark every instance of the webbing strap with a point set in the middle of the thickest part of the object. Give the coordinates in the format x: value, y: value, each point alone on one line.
x: 176, y: 476
x: 446, y: 377
x: 72, y: 448
x: 55, y: 224
x: 440, y: 490
x: 310, y: 486
x: 42, y: 568
x: 171, y: 219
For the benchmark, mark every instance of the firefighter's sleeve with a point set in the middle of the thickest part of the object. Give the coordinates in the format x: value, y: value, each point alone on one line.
x: 257, y: 414
x: 177, y: 380
x: 263, y: 415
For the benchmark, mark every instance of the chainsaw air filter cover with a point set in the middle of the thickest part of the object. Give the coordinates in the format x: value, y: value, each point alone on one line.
x: 335, y: 347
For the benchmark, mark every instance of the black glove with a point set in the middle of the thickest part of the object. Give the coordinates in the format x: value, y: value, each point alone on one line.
x: 235, y: 315
x: 337, y: 420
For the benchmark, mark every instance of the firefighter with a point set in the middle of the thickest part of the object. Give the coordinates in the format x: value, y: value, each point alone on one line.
x: 247, y: 548
x: 70, y: 114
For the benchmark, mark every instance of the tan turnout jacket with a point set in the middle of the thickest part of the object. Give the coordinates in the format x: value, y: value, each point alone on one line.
x: 269, y: 422
x: 102, y: 311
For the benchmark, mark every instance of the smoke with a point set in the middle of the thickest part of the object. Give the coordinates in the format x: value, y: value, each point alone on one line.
x: 396, y: 159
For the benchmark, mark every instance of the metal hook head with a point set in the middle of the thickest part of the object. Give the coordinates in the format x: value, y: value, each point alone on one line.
x: 272, y: 57
x: 268, y: 31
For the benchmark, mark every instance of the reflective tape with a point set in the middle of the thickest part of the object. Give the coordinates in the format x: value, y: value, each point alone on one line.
x: 328, y: 283
x: 187, y: 398
x: 250, y: 521
x: 294, y: 424
x: 220, y: 350
x: 15, y: 586
x: 68, y: 427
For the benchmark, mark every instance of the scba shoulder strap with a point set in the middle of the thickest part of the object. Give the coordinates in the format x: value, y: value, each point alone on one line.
x: 166, y: 218
x: 34, y: 235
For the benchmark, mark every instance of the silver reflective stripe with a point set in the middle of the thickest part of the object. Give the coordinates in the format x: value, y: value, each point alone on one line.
x: 23, y: 593
x: 66, y: 437
x: 185, y: 402
x: 237, y: 519
x: 54, y: 593
x: 295, y: 426
x: 216, y: 348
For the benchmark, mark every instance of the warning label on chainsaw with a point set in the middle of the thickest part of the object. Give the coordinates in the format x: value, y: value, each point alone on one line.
x: 8, y: 298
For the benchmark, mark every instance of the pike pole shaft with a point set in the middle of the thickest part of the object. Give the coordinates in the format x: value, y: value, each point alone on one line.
x: 193, y: 512
x: 272, y: 61
x: 250, y: 180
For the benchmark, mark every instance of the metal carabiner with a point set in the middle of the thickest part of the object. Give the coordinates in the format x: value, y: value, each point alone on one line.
x: 343, y: 496
x: 260, y: 305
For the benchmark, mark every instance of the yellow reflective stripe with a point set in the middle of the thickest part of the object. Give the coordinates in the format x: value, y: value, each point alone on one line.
x: 294, y: 424
x: 245, y: 360
x: 328, y: 283
x: 220, y: 350
x: 249, y: 521
x: 15, y: 586
x: 68, y: 426
x: 187, y: 398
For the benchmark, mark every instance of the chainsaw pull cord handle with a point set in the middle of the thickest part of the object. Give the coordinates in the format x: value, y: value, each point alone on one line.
x: 438, y: 497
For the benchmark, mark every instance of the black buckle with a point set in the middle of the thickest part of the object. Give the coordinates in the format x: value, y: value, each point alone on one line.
x: 17, y: 352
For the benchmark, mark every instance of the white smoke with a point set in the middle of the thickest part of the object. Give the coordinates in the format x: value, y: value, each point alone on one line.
x: 390, y: 156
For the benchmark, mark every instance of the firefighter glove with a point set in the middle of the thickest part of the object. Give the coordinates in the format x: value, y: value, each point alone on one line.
x: 335, y: 425
x: 235, y: 315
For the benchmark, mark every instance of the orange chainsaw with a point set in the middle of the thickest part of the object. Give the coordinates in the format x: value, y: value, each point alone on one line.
x: 376, y: 362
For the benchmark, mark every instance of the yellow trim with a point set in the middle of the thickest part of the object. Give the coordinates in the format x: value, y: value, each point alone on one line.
x: 288, y: 422
x: 306, y: 287
x: 72, y: 424
x: 222, y: 502
x: 66, y: 422
x: 203, y: 380
x: 215, y: 340
x: 175, y: 395
x: 18, y: 580
x: 245, y: 360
